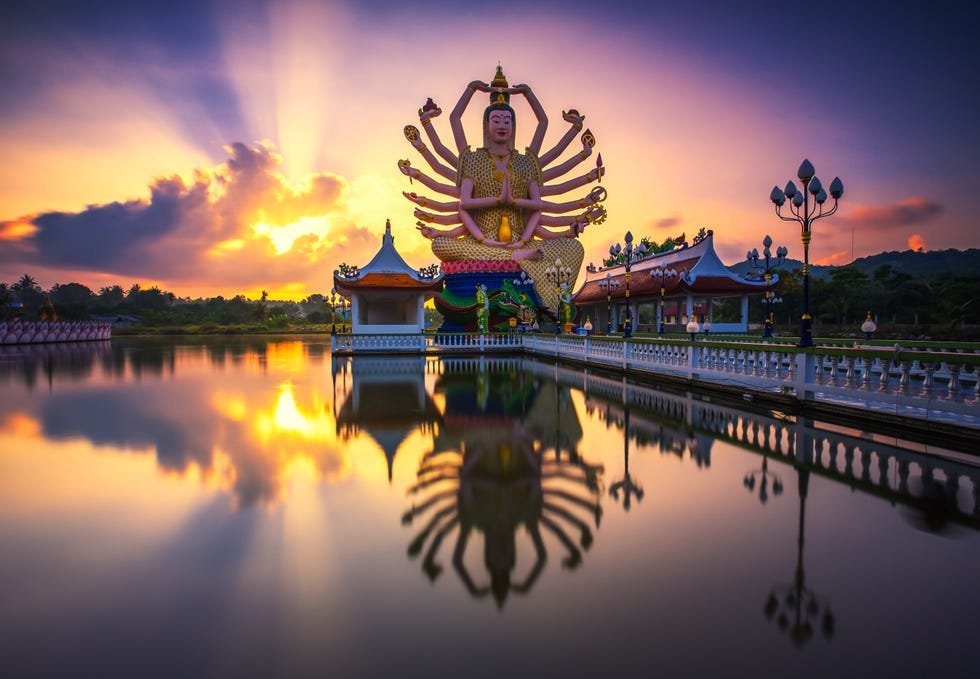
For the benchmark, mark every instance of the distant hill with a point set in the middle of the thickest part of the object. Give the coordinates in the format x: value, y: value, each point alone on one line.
x: 965, y: 263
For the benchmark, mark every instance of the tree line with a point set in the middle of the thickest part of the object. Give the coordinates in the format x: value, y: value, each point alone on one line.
x: 944, y: 304
x: 152, y: 306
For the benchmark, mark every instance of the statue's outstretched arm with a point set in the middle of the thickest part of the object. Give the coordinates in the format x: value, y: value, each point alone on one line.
x: 588, y: 177
x: 553, y: 220
x: 412, y: 135
x: 445, y: 220
x: 559, y: 170
x: 438, y: 206
x: 576, y: 120
x: 414, y: 173
x: 539, y: 113
x: 596, y: 195
x: 456, y: 117
x: 431, y: 232
x: 425, y: 117
x: 576, y: 223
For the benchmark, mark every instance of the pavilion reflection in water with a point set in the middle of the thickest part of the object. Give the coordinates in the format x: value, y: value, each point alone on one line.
x: 386, y: 399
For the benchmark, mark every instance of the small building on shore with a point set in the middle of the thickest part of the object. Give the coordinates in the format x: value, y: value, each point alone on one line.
x: 703, y: 288
x: 387, y: 296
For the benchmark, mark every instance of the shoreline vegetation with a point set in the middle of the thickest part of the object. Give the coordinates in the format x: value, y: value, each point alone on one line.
x: 940, y: 307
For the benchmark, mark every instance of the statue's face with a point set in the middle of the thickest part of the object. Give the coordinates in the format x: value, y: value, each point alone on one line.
x: 500, y: 126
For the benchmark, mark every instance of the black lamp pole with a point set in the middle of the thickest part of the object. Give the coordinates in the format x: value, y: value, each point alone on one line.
x: 806, y: 209
x: 632, y: 254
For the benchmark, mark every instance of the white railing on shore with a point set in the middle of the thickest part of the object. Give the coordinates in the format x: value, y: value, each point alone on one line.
x: 935, y: 385
x: 38, y: 332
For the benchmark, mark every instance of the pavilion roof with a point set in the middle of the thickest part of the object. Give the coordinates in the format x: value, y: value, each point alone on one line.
x: 386, y: 271
x: 699, y: 270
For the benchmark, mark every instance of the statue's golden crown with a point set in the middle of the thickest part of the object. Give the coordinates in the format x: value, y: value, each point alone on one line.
x: 498, y: 83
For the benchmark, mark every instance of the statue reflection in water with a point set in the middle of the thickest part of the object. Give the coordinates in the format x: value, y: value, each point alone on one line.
x: 487, y: 473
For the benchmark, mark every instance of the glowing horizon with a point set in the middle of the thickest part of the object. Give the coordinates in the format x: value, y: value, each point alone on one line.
x: 265, y: 156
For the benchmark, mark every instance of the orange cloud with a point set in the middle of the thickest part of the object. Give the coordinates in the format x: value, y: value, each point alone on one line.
x: 917, y: 242
x: 234, y: 227
x: 908, y: 211
x: 834, y: 259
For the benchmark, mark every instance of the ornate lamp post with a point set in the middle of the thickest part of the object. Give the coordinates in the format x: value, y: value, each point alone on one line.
x: 632, y: 254
x: 806, y: 210
x: 868, y: 327
x: 661, y: 274
x: 768, y: 264
x: 608, y: 284
x: 560, y: 276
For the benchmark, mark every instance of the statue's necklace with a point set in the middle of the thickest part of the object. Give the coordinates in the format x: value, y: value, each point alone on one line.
x: 498, y: 174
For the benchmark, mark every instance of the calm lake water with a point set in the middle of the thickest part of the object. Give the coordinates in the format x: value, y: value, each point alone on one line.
x: 257, y: 507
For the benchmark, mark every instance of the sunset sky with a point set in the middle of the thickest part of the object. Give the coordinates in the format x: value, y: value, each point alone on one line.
x: 233, y: 147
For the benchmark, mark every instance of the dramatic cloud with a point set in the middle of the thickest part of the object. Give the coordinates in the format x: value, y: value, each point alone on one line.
x: 917, y: 242
x: 241, y: 223
x: 666, y: 222
x: 908, y: 211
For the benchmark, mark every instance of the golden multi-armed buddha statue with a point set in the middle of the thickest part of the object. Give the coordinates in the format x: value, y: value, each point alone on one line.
x: 498, y: 217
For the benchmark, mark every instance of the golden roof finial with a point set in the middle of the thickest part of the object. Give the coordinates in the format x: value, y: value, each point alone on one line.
x: 499, y: 80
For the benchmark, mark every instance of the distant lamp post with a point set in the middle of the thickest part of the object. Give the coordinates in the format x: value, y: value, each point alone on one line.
x: 768, y: 263
x: 806, y: 210
x: 707, y: 327
x: 693, y: 327
x: 868, y: 327
x: 333, y: 310
x: 560, y: 276
x: 632, y: 254
x: 608, y: 284
x: 588, y: 326
x: 662, y: 275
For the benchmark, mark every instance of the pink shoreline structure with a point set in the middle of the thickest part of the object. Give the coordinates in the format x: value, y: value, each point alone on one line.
x: 37, y: 332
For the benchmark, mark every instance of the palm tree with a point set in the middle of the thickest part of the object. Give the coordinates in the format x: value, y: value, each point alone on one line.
x: 25, y: 283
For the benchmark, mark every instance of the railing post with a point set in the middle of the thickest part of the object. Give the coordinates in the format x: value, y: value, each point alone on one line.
x: 627, y: 354
x: 804, y: 375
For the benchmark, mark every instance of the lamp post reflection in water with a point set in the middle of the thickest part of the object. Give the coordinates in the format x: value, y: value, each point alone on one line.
x: 627, y: 486
x: 763, y: 477
x: 795, y: 607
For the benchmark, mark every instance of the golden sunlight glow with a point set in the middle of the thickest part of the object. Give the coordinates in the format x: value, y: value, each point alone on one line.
x: 21, y: 424
x: 283, y: 237
x: 230, y: 245
x: 16, y: 230
x: 232, y: 407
